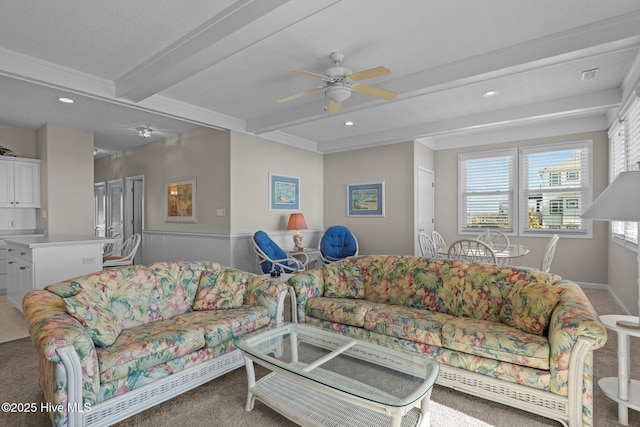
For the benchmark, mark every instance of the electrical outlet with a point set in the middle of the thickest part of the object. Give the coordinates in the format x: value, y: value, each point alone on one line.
x: 12, y: 223
x: 89, y: 260
x: 222, y: 212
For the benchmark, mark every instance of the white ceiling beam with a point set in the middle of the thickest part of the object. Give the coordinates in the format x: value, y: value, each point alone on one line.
x: 236, y: 28
x: 615, y: 34
x: 553, y: 109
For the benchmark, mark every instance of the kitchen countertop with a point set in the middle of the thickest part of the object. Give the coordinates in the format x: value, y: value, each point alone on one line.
x: 8, y: 234
x: 43, y: 241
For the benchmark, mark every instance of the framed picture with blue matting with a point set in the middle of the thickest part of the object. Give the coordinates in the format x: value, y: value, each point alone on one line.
x: 365, y: 199
x: 284, y: 192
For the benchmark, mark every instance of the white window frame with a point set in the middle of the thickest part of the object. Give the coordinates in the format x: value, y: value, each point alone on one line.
x: 584, y: 185
x: 518, y: 210
x: 510, y: 153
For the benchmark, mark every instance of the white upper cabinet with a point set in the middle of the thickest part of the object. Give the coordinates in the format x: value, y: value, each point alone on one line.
x: 19, y: 183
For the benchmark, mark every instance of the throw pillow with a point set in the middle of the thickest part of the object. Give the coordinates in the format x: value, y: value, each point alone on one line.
x: 343, y: 280
x: 529, y: 305
x: 220, y: 290
x: 95, y: 315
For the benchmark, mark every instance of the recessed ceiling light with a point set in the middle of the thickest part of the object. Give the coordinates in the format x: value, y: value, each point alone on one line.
x: 348, y: 123
x: 490, y: 93
x: 145, y: 132
x: 66, y: 100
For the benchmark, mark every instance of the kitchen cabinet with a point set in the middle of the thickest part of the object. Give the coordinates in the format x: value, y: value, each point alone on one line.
x: 3, y: 269
x: 19, y: 183
x: 35, y: 262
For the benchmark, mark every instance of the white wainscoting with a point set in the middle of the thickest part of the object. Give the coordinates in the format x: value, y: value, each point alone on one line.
x: 230, y: 250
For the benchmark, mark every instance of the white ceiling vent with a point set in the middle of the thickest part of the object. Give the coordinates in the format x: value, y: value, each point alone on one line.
x: 589, y: 74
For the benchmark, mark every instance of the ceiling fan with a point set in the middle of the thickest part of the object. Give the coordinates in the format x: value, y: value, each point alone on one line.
x: 341, y: 81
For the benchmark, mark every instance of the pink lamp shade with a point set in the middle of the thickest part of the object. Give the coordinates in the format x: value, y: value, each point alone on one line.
x: 297, y: 222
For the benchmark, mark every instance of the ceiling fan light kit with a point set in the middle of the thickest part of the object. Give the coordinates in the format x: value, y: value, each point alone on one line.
x: 340, y: 81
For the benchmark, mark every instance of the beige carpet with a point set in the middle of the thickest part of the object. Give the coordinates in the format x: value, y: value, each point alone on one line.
x: 221, y: 402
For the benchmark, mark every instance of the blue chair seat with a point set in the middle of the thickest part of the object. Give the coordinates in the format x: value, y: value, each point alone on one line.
x: 272, y: 257
x: 338, y: 243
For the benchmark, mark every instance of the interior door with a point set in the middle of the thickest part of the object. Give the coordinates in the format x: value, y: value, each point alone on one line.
x: 114, y: 208
x: 100, y: 209
x: 134, y: 210
x: 426, y: 193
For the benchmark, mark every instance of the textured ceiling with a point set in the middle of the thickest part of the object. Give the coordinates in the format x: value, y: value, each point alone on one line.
x: 173, y: 65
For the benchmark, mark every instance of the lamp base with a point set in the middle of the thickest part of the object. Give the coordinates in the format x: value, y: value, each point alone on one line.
x: 628, y: 324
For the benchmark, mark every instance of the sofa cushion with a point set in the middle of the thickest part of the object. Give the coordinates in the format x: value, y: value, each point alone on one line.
x: 431, y: 284
x: 98, y: 320
x: 377, y: 275
x: 108, y: 301
x: 529, y: 305
x: 485, y: 289
x: 340, y: 310
x: 343, y: 281
x: 219, y: 326
x: 417, y: 325
x: 496, y: 341
x: 178, y: 283
x: 220, y: 290
x: 146, y: 346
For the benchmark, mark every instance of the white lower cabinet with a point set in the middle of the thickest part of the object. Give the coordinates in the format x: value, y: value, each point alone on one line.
x: 39, y: 262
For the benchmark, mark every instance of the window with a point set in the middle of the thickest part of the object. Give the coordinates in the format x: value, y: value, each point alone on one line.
x: 624, y: 153
x: 486, y: 189
x: 526, y: 191
x: 554, y: 185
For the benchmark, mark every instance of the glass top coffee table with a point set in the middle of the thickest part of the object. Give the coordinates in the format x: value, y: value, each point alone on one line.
x: 322, y: 378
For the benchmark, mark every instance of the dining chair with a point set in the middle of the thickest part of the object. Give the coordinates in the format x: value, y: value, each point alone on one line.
x: 125, y: 255
x: 471, y: 250
x: 438, y: 240
x: 494, y: 238
x: 427, y: 246
x: 549, y: 252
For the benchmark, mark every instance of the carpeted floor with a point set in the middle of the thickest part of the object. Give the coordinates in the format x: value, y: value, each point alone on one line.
x: 221, y: 401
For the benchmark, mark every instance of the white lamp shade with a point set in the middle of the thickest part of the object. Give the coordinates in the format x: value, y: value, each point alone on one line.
x: 620, y: 201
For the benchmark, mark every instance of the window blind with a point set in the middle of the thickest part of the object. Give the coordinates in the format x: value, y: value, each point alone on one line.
x: 486, y: 193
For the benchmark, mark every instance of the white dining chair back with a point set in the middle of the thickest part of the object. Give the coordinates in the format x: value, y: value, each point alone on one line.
x: 471, y: 250
x: 549, y: 253
x: 438, y: 240
x: 427, y: 246
x: 127, y: 253
x: 496, y: 239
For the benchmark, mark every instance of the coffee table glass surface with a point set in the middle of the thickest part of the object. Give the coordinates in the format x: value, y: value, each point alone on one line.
x: 354, y: 369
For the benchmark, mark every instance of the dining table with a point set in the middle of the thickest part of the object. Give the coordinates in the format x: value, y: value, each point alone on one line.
x: 503, y: 256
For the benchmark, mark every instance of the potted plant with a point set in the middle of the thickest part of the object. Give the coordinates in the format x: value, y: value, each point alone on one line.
x: 4, y: 150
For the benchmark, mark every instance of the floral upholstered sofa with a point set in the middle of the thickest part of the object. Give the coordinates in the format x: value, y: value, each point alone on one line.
x: 113, y: 343
x: 516, y: 336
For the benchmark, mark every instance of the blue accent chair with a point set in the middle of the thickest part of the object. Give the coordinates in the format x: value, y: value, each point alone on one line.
x: 272, y: 258
x: 337, y: 243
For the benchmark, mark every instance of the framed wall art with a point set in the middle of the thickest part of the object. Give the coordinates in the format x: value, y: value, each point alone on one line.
x: 180, y: 200
x: 365, y: 199
x: 284, y: 192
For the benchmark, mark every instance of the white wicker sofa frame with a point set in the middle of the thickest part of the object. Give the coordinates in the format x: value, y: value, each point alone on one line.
x: 71, y: 375
x: 390, y: 290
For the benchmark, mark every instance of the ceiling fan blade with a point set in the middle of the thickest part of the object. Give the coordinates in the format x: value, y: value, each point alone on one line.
x: 369, y: 74
x: 374, y: 91
x: 314, y: 75
x: 298, y: 95
x: 334, y: 107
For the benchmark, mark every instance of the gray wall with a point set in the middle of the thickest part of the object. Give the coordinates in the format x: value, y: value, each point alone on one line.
x: 393, y: 164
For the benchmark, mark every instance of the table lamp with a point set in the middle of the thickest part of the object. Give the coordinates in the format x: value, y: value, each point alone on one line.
x: 297, y: 223
x: 620, y: 201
